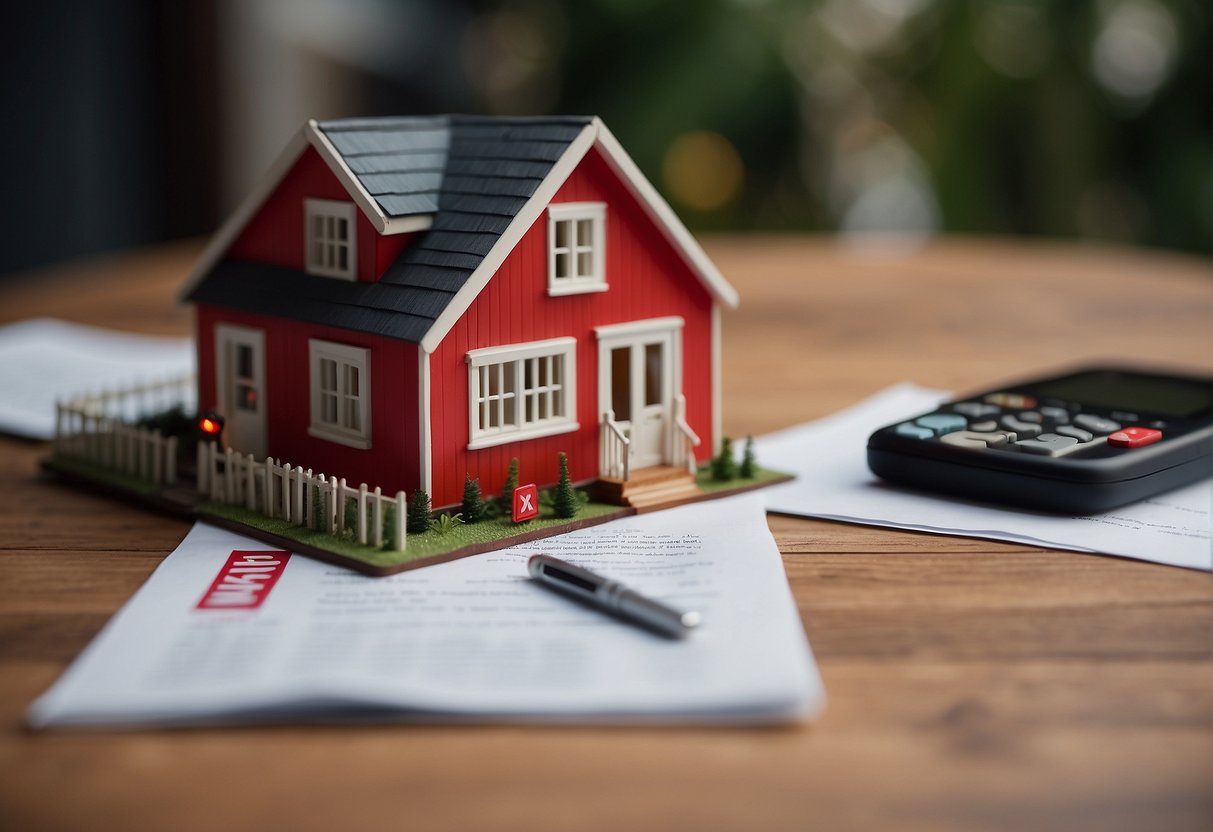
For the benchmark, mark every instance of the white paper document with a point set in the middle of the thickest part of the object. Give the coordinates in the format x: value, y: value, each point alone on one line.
x: 228, y: 630
x: 44, y: 360
x: 833, y: 481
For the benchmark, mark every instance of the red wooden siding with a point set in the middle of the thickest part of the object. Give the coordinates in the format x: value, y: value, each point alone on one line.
x: 393, y: 460
x: 276, y: 232
x: 647, y: 279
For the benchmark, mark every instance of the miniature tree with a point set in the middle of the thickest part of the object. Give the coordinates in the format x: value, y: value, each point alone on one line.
x: 474, y: 507
x: 507, y: 490
x: 566, y: 502
x: 318, y: 521
x: 389, y: 524
x: 418, y: 519
x: 723, y: 466
x: 749, y: 464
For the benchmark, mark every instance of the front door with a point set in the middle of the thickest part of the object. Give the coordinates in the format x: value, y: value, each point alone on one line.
x: 637, y: 382
x: 240, y: 382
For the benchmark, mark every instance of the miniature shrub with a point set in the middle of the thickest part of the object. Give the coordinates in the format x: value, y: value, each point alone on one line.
x: 474, y: 507
x: 507, y: 490
x: 172, y: 422
x: 389, y: 525
x: 418, y: 519
x: 351, y: 517
x: 723, y: 466
x: 318, y: 520
x: 492, y: 507
x: 749, y: 465
x: 565, y: 501
x: 444, y: 523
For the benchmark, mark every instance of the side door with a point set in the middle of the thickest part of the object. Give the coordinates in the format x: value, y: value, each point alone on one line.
x: 240, y: 383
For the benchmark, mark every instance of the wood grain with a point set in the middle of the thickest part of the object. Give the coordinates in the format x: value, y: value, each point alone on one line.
x: 972, y: 684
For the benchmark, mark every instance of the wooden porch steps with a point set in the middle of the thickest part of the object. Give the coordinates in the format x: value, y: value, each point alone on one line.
x: 650, y: 488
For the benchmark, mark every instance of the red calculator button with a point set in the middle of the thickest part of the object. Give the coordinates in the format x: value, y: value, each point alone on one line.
x: 1134, y: 437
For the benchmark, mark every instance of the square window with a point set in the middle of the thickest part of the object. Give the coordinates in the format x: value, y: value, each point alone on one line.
x: 340, y: 393
x: 577, y: 248
x: 330, y: 244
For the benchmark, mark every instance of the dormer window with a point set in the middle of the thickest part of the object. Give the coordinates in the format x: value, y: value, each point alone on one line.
x: 576, y: 248
x: 331, y: 245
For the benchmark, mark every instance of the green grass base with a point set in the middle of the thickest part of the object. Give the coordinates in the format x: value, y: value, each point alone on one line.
x: 105, y: 476
x: 703, y: 478
x: 417, y: 546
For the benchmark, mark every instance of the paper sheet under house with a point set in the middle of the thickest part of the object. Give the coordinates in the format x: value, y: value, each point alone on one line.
x: 470, y: 639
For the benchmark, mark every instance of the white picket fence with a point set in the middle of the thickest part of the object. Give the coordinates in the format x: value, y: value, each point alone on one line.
x: 278, y: 491
x: 131, y: 403
x: 83, y: 432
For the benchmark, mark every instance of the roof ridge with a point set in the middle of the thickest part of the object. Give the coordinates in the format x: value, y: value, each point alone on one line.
x: 444, y: 121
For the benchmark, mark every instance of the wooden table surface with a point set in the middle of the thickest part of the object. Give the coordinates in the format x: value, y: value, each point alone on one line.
x: 972, y: 684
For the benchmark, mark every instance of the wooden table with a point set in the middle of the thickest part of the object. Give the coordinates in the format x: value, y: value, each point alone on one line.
x: 973, y: 685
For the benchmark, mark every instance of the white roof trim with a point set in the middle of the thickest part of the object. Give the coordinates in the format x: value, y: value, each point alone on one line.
x: 407, y: 224
x: 659, y: 210
x: 236, y: 223
x: 519, y: 226
x: 222, y: 239
x: 382, y: 222
x: 595, y: 134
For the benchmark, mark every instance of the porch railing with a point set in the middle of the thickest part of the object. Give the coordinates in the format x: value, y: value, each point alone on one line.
x: 616, y: 449
x: 685, y: 439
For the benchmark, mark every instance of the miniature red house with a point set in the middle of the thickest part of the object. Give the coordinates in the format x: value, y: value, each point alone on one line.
x: 403, y: 301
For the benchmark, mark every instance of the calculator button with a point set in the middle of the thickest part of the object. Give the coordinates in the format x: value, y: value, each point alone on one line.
x: 1125, y: 417
x: 1134, y: 437
x: 1056, y: 414
x: 977, y: 439
x: 913, y: 431
x: 976, y: 409
x: 1032, y: 416
x: 1078, y: 433
x: 1017, y: 400
x: 1019, y: 426
x: 1095, y: 424
x: 1047, y: 444
x: 941, y: 423
x: 984, y: 426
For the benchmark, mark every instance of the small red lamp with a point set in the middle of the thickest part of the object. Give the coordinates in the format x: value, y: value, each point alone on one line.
x: 211, y: 423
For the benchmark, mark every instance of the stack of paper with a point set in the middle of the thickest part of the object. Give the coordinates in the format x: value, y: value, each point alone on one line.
x: 226, y: 629
x: 833, y: 481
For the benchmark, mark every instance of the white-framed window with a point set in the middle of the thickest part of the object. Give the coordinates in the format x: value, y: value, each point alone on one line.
x: 332, y: 249
x: 576, y: 248
x: 341, y: 393
x: 522, y: 391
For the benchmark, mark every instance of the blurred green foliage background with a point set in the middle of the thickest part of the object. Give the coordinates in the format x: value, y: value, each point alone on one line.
x: 1087, y: 119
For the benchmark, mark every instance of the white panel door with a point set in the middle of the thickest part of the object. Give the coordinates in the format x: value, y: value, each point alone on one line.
x: 240, y: 377
x: 636, y: 382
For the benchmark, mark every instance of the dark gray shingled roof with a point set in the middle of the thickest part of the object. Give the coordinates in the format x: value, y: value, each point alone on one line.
x: 472, y: 173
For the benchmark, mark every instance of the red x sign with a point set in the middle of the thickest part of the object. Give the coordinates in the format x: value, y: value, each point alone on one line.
x: 526, y: 502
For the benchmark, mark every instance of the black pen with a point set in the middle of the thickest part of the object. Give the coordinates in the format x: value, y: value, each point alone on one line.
x: 611, y: 596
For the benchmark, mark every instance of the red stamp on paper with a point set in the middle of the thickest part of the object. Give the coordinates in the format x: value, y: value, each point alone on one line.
x: 245, y: 580
x: 526, y: 502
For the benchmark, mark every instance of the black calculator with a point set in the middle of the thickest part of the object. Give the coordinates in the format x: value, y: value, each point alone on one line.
x: 1079, y: 442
